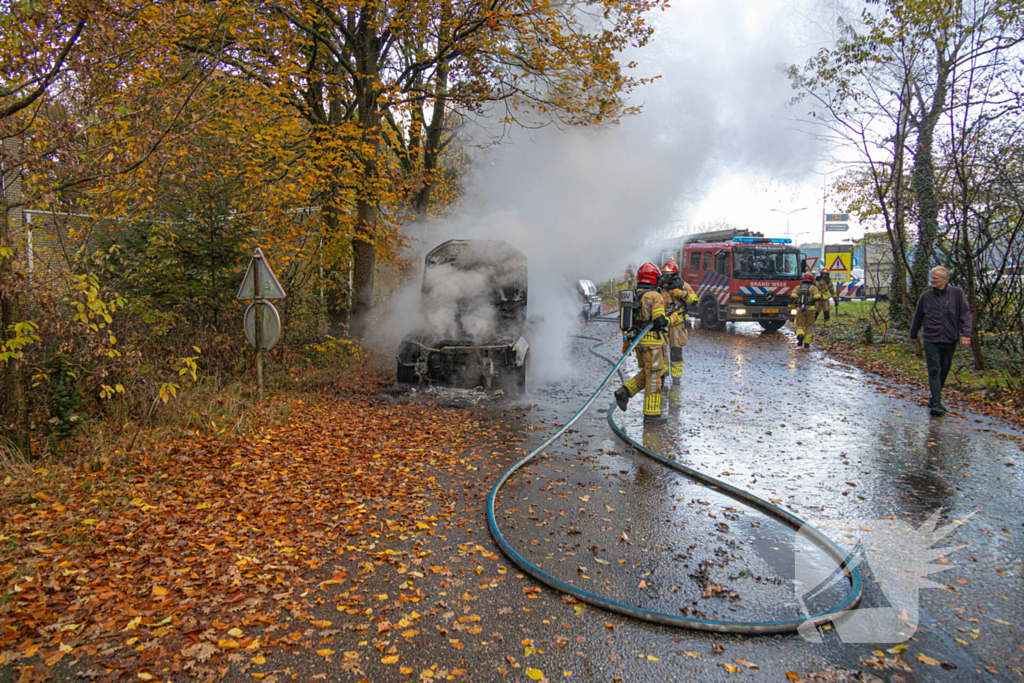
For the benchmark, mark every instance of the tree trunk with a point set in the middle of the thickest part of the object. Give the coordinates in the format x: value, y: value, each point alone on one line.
x: 364, y: 254
x: 900, y: 315
x: 15, y: 425
x: 335, y: 291
x: 434, y: 131
x: 924, y: 182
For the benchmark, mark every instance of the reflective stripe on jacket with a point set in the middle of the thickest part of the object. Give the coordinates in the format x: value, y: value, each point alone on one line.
x: 652, y: 306
x: 671, y: 296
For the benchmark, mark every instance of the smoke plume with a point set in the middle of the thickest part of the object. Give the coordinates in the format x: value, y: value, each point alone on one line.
x: 586, y: 203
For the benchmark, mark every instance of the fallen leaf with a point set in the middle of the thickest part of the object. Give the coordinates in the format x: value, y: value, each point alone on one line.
x: 925, y: 659
x: 535, y: 674
x: 793, y: 676
x: 746, y: 663
x: 730, y: 668
x: 390, y: 659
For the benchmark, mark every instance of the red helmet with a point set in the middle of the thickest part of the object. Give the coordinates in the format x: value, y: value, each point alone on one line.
x: 670, y: 267
x: 648, y: 274
x: 808, y: 277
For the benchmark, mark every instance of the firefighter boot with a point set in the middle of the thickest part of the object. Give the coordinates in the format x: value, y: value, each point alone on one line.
x: 799, y: 340
x: 676, y: 354
x: 622, y: 398
x: 652, y: 407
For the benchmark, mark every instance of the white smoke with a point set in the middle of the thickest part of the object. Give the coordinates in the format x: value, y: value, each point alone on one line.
x: 585, y: 203
x: 445, y: 290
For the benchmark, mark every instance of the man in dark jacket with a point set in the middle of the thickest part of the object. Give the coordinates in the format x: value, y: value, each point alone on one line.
x: 943, y: 317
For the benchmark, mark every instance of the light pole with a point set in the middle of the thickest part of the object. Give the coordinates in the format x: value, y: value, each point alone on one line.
x: 788, y: 214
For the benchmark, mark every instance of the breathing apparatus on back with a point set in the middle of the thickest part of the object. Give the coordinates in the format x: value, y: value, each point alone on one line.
x: 647, y: 277
x: 803, y: 292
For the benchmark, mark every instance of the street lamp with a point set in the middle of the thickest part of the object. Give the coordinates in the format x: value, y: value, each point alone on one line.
x: 788, y: 213
x: 797, y: 235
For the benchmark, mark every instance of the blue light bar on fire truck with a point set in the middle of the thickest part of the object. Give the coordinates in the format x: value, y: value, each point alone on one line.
x: 763, y: 240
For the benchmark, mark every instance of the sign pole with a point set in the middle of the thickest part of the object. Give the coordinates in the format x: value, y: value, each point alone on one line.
x: 259, y: 330
x: 261, y: 285
x: 824, y: 194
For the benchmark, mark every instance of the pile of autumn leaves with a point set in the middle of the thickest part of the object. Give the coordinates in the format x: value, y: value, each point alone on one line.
x: 188, y: 556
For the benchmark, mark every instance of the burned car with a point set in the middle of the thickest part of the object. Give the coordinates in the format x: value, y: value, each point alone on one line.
x: 473, y: 305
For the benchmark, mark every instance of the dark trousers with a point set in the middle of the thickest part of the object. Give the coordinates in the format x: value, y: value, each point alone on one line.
x: 939, y: 358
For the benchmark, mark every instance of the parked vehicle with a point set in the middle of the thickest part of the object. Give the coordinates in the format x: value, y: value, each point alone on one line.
x: 473, y: 301
x: 740, y: 276
x: 590, y: 299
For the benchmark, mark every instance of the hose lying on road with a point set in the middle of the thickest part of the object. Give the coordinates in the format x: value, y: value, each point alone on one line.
x: 758, y: 627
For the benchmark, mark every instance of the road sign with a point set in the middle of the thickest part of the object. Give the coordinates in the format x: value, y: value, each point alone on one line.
x: 269, y: 287
x: 839, y: 266
x: 837, y: 227
x: 837, y: 217
x: 271, y: 324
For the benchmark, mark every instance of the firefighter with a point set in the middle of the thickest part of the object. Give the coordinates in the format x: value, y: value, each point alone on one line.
x: 650, y: 352
x: 677, y: 295
x: 824, y: 285
x: 804, y: 299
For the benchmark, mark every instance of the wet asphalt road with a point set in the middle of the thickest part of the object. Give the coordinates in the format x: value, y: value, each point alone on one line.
x: 832, y: 445
x: 835, y: 446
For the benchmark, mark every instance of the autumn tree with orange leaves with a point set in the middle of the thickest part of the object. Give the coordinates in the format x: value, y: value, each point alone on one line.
x: 188, y: 135
x: 375, y: 83
x: 91, y: 96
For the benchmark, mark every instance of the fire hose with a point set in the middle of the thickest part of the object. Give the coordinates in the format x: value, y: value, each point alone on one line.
x: 845, y: 564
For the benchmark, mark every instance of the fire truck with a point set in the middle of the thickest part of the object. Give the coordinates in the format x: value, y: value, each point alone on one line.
x: 740, y: 276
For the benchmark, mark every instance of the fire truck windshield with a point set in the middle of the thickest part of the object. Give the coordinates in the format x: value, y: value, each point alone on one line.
x: 763, y: 264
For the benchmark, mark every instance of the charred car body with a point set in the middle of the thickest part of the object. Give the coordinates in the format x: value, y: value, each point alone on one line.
x: 473, y: 304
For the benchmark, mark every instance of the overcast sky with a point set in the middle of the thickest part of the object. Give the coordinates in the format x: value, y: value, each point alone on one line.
x: 777, y: 164
x: 715, y: 141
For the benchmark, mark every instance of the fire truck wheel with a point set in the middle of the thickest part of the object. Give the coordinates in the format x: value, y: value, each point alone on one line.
x: 772, y: 325
x: 709, y: 316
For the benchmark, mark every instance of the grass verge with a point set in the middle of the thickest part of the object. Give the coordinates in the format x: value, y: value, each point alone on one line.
x: 860, y: 334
